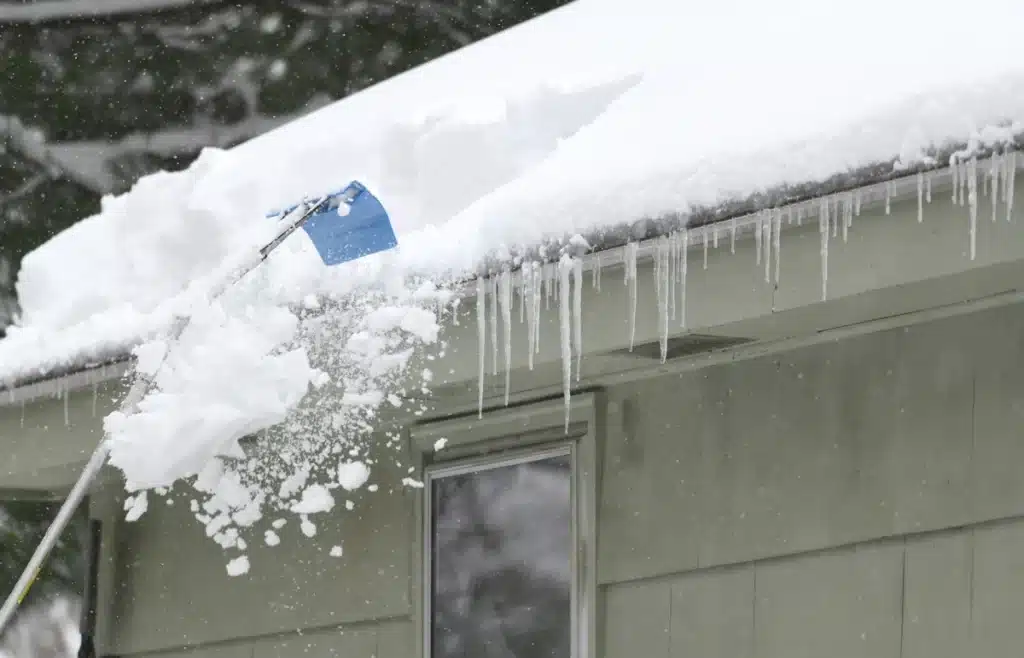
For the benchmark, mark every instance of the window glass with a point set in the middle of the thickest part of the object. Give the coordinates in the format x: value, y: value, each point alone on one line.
x: 501, y: 561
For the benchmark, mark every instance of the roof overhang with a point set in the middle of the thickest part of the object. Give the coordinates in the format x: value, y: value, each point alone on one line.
x: 762, y: 309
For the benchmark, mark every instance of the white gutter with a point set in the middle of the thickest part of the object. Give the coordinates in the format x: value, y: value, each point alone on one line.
x: 65, y: 384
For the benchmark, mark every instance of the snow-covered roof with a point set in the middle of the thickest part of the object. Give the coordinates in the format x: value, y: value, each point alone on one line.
x: 581, y: 121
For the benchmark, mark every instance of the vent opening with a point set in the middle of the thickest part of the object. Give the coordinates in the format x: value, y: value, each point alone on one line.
x: 681, y: 346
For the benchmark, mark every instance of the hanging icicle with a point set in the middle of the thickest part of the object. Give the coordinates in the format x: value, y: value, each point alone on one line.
x: 631, y: 253
x: 888, y: 197
x: 954, y: 172
x: 565, y: 336
x: 995, y: 173
x: 704, y: 239
x: 1011, y: 176
x: 972, y: 200
x: 662, y: 281
x: 67, y: 415
x: 928, y: 187
x: 767, y: 240
x: 777, y: 241
x: 964, y: 167
x: 823, y: 228
x: 535, y: 295
x: 505, y: 298
x: 757, y: 237
x: 856, y: 202
x: 673, y: 272
x: 684, y: 250
x: 481, y: 326
x: 493, y: 293
x: 95, y: 395
x: 920, y: 197
x: 577, y: 313
x: 732, y: 235
x: 595, y: 274
x: 522, y: 293
x: 715, y: 236
x: 847, y: 215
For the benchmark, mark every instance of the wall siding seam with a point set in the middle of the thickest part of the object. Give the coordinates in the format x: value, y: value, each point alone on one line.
x: 888, y: 540
x: 903, y: 602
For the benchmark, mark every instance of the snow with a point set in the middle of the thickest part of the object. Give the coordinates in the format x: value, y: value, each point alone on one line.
x: 565, y: 144
x: 337, y: 551
x: 353, y: 475
x: 315, y: 499
x: 238, y: 566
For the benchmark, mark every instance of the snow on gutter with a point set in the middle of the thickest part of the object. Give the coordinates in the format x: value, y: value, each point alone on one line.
x: 842, y: 197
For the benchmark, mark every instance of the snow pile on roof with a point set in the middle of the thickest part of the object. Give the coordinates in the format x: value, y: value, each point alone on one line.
x: 597, y: 114
x: 592, y: 117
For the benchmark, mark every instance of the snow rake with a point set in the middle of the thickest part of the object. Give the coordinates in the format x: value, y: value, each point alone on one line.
x: 344, y: 226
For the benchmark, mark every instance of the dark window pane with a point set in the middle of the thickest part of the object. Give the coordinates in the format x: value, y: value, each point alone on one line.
x: 502, y: 577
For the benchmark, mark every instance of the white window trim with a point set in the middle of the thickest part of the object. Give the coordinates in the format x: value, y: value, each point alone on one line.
x: 503, y: 437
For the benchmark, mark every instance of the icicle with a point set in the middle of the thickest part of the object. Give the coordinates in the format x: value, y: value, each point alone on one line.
x: 632, y: 250
x: 505, y: 300
x: 684, y: 250
x: 994, y: 192
x: 481, y: 335
x: 954, y: 171
x: 1011, y: 177
x: 673, y: 273
x: 67, y: 415
x: 888, y: 197
x: 662, y: 278
x: 704, y: 238
x: 532, y: 301
x: 494, y: 324
x: 847, y: 215
x: 564, y: 267
x: 757, y: 237
x: 22, y: 414
x: 577, y: 313
x: 856, y: 203
x: 522, y: 294
x: 550, y: 276
x: 715, y: 236
x: 920, y: 197
x: 767, y: 247
x: 777, y: 239
x: 95, y: 395
x: 595, y: 274
x: 539, y: 273
x: 964, y: 182
x: 928, y: 187
x: 800, y: 215
x: 732, y: 235
x: 972, y: 200
x: 833, y: 216
x: 823, y: 228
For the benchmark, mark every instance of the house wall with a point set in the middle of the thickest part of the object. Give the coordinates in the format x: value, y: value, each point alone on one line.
x: 852, y: 498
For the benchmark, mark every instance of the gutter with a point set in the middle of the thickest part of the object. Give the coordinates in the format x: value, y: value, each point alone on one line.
x: 640, y: 241
x: 56, y: 385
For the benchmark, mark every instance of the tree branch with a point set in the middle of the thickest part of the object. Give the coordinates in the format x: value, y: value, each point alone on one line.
x: 55, y: 10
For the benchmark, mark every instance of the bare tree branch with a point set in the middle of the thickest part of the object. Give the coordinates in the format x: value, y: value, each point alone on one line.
x: 51, y: 10
x: 25, y: 188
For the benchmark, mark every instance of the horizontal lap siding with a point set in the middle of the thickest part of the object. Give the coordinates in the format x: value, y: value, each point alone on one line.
x: 850, y: 499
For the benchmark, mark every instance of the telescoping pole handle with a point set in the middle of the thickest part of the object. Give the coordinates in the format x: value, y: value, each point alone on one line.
x: 128, y: 406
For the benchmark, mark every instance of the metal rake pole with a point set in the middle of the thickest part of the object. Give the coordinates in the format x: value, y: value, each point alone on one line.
x: 129, y: 406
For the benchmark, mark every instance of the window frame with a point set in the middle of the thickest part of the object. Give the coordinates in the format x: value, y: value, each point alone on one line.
x: 505, y: 437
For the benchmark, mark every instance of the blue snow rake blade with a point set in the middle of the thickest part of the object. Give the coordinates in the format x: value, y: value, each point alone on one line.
x: 348, y: 225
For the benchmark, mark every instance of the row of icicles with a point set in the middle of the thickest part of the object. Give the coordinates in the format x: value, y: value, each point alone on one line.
x: 537, y: 285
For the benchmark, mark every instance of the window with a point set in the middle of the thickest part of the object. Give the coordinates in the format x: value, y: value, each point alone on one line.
x: 505, y: 540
